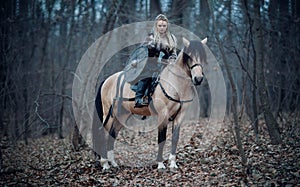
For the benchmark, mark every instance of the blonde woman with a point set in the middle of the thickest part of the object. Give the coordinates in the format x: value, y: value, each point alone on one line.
x: 161, y: 44
x: 161, y: 40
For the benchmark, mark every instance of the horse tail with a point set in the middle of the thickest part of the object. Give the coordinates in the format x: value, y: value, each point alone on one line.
x: 98, y: 103
x: 99, y: 108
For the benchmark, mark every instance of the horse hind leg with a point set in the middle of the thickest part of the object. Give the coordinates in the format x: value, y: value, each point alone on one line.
x: 104, y: 161
x: 107, y: 155
x: 113, y: 133
x: 104, y: 144
x: 100, y: 136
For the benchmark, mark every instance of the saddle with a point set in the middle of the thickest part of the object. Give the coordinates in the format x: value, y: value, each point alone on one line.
x: 142, y: 73
x: 149, y: 90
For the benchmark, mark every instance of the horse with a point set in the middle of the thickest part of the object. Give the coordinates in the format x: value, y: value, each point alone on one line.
x: 170, y: 100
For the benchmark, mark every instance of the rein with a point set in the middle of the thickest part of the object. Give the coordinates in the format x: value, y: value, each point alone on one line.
x: 171, y: 98
x: 171, y: 118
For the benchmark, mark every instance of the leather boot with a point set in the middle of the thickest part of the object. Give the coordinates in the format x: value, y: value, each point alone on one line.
x: 139, y: 97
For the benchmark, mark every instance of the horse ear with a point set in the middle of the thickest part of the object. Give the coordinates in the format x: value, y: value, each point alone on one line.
x: 204, y: 41
x: 185, y: 42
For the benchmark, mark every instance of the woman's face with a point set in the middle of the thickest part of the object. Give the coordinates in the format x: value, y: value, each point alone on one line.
x: 161, y: 26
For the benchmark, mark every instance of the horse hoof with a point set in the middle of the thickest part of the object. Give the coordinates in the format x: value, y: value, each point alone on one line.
x: 111, y: 158
x: 173, y: 165
x: 104, y: 164
x: 105, y: 167
x: 114, y: 164
x: 161, y: 166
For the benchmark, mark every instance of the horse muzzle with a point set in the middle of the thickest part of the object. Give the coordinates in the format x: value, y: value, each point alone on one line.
x: 197, y: 80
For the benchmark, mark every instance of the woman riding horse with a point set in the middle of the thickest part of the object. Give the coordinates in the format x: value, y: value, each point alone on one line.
x: 171, y: 102
x: 160, y: 40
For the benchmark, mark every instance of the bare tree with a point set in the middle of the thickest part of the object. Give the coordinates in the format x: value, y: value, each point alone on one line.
x: 259, y: 51
x: 233, y: 89
x: 155, y: 8
x: 254, y: 74
x: 114, y: 9
x: 177, y: 11
x: 42, y: 41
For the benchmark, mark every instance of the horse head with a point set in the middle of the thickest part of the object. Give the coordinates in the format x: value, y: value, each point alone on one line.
x: 194, y: 57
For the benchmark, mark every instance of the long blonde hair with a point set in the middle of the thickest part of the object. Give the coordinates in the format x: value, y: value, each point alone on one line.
x: 171, y: 38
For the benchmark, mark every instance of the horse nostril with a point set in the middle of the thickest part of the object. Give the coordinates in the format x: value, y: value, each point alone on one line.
x: 201, y: 79
x: 198, y: 80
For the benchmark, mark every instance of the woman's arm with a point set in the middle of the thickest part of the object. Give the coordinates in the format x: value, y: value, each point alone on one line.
x: 173, y: 54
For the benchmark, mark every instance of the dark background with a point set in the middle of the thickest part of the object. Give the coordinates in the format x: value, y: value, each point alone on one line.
x: 256, y: 42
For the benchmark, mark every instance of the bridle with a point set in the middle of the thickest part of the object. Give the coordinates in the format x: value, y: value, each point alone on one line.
x: 172, y: 117
x: 187, y: 58
x: 194, y: 65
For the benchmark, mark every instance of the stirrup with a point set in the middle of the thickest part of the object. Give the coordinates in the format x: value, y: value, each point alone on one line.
x: 141, y: 102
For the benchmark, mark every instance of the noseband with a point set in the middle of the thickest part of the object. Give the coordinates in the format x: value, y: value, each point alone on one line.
x: 186, y: 57
x: 195, y: 65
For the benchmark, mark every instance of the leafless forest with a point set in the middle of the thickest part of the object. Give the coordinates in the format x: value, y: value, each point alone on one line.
x: 257, y: 44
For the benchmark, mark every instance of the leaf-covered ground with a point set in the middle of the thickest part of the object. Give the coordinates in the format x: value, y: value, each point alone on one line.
x: 50, y: 162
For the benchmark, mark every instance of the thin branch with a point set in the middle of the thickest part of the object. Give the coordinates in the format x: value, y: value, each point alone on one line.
x: 37, y: 112
x: 243, y: 67
x: 56, y: 94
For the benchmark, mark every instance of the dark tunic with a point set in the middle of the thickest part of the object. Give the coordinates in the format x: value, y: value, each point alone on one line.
x: 153, y: 66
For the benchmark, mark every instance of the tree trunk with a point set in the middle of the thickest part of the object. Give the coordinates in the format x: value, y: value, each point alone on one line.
x: 265, y: 106
x: 233, y: 89
x: 154, y: 8
x: 66, y: 65
x: 204, y: 17
x: 254, y: 75
x: 178, y: 7
x: 75, y: 138
x: 115, y: 7
x: 1, y: 161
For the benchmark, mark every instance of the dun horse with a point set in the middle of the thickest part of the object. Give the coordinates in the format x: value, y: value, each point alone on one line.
x: 170, y: 100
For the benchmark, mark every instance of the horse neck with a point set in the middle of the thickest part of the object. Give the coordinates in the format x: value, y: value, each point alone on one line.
x: 177, y: 73
x: 176, y: 82
x: 179, y: 68
x: 180, y: 62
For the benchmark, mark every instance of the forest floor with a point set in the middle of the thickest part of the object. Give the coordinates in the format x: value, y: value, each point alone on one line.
x: 49, y: 161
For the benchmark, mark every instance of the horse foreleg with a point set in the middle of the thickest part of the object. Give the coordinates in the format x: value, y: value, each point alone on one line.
x: 162, y: 134
x: 175, y: 138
